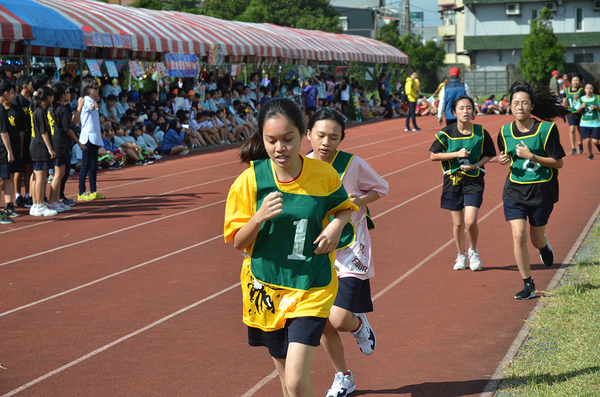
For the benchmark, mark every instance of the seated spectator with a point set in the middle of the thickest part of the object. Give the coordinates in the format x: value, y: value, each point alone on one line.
x: 121, y: 106
x: 127, y: 145
x: 489, y: 106
x: 106, y: 109
x: 503, y: 105
x: 477, y: 109
x: 374, y: 107
x: 388, y: 112
x: 422, y: 106
x: 76, y: 156
x: 192, y: 138
x: 152, y: 102
x: 138, y: 136
x: 266, y: 95
x: 173, y: 141
x: 108, y: 155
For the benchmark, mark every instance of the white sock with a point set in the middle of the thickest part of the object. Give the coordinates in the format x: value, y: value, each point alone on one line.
x: 475, y: 250
x: 17, y: 195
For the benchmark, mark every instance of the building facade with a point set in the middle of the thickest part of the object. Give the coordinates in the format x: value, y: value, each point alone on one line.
x: 452, y: 31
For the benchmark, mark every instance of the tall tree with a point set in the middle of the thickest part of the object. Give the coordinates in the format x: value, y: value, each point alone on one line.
x: 224, y: 9
x: 542, y: 52
x: 190, y: 6
x: 302, y: 14
x: 148, y: 4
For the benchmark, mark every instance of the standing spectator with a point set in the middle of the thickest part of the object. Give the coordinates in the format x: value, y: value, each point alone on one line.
x: 410, y: 88
x: 439, y: 89
x: 266, y: 81
x: 554, y: 85
x: 384, y: 85
x: 91, y: 137
x: 448, y: 94
x: 310, y: 97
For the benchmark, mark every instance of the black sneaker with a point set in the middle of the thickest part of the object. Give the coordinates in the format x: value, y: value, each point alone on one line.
x: 590, y: 157
x: 148, y: 162
x: 20, y: 201
x: 139, y: 162
x: 573, y: 151
x: 546, y: 254
x: 68, y: 201
x: 9, y: 211
x: 29, y: 202
x: 5, y: 220
x: 528, y: 291
x: 580, y: 148
x: 114, y: 166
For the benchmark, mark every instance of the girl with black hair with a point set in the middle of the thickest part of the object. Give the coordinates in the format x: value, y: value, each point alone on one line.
x: 572, y: 95
x: 278, y: 212
x: 173, y: 141
x: 463, y: 149
x: 354, y: 263
x: 589, y: 126
x: 59, y: 115
x: 41, y: 149
x: 533, y: 151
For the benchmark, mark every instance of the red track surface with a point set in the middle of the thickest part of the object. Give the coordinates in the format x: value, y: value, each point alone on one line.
x: 137, y: 295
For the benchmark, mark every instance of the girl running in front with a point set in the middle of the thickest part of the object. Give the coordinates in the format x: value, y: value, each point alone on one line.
x: 354, y: 263
x: 572, y: 95
x: 589, y: 126
x: 463, y: 149
x: 278, y: 213
x: 532, y: 149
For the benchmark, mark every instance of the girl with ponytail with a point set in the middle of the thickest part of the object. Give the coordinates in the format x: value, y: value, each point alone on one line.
x: 286, y: 212
x: 533, y: 151
x: 42, y: 152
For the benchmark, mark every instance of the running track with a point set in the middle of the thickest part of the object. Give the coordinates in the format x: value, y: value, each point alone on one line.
x: 137, y: 295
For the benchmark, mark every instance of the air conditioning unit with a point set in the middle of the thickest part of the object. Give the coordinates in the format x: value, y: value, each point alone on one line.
x: 513, y: 9
x: 597, y: 5
x: 551, y: 5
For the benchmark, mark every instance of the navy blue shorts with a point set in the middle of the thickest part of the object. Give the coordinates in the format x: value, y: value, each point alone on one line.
x: 538, y: 216
x: 590, y: 132
x: 304, y: 330
x: 5, y: 171
x: 311, y: 109
x: 456, y: 201
x: 61, y: 161
x: 354, y: 295
x: 43, y: 165
x: 573, y: 118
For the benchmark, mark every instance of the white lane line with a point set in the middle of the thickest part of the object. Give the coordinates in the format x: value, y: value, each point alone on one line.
x: 109, y: 276
x: 108, y: 234
x: 496, y: 379
x: 116, y: 342
x: 270, y: 377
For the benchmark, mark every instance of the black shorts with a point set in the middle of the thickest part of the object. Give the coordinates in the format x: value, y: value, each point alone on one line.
x: 311, y: 109
x: 456, y: 201
x: 574, y: 118
x: 304, y: 330
x: 43, y: 165
x: 17, y: 166
x: 590, y: 132
x: 5, y: 171
x: 61, y: 161
x: 538, y: 216
x: 354, y: 295
x: 26, y: 159
x: 344, y: 103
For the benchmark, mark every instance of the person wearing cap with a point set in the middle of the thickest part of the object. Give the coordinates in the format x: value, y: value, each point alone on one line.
x: 449, y: 93
x: 554, y: 83
x: 411, y: 89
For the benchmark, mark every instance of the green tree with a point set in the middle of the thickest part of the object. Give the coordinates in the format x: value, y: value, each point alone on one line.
x: 542, y: 52
x: 190, y: 6
x: 424, y: 58
x: 148, y: 4
x: 302, y: 14
x: 224, y: 9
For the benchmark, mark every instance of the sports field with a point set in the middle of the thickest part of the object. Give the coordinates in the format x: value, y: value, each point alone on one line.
x: 137, y: 295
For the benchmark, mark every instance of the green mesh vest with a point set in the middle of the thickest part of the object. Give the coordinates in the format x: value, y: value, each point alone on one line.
x: 473, y: 143
x: 571, y: 101
x: 283, y: 254
x: 340, y: 163
x: 522, y: 170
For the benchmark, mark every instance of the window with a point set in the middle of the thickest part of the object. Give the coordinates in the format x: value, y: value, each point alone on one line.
x: 449, y: 17
x: 534, y: 14
x: 450, y: 47
x: 584, y: 58
x: 344, y: 23
x: 578, y: 19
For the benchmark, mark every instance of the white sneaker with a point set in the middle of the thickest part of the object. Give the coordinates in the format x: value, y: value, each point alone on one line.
x: 461, y: 262
x: 474, y: 261
x: 365, y: 337
x: 34, y: 210
x: 157, y: 157
x: 342, y: 385
x: 55, y: 207
x: 45, y: 211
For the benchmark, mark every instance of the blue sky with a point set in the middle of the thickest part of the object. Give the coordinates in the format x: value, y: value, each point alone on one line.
x: 429, y: 7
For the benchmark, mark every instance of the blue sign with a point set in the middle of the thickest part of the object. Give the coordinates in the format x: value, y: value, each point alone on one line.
x: 180, y: 65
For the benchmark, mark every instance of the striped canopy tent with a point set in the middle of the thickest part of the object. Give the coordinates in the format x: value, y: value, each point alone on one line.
x: 14, y: 31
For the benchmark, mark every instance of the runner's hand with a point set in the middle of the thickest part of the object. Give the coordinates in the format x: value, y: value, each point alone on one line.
x: 462, y: 153
x: 271, y: 206
x: 329, y: 238
x: 503, y: 158
x: 523, y: 150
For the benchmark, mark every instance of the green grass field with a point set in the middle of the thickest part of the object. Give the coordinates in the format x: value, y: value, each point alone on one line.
x: 561, y: 356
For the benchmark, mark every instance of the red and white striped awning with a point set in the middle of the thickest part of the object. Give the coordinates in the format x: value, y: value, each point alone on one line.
x: 13, y: 28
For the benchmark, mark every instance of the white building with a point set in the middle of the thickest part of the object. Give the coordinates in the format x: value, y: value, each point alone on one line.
x: 495, y: 30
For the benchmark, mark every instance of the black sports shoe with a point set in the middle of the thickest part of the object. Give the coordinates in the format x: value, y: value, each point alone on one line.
x: 573, y: 151
x: 20, y: 201
x: 9, y: 211
x: 590, y: 157
x: 68, y: 201
x: 528, y: 291
x: 114, y: 166
x: 546, y: 254
x: 580, y: 148
x: 5, y: 220
x: 29, y: 202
